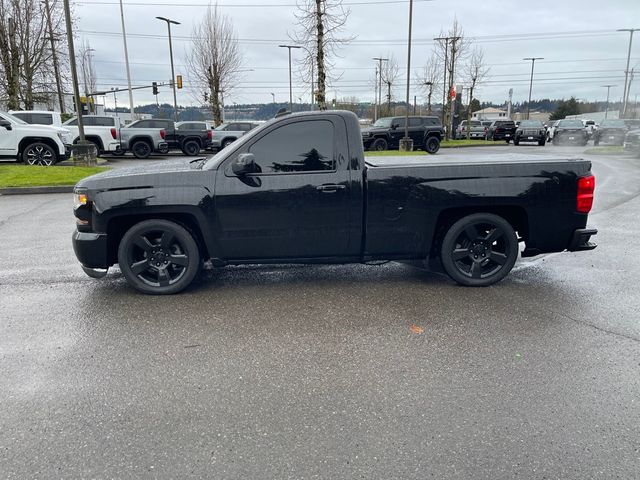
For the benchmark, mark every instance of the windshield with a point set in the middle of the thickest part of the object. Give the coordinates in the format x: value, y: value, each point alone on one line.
x: 383, y: 122
x: 531, y: 124
x: 571, y: 124
x: 614, y: 123
x: 213, y: 161
x: 11, y: 118
x: 222, y: 126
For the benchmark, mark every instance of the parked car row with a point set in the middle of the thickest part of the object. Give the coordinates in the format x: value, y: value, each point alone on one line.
x: 386, y: 132
x: 142, y: 137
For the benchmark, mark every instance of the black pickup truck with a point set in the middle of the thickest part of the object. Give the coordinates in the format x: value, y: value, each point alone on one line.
x: 299, y: 190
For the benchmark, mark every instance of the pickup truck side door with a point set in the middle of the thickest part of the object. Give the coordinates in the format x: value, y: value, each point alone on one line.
x: 299, y: 202
x: 8, y: 140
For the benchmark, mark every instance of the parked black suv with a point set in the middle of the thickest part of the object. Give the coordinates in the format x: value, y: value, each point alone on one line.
x: 386, y: 133
x: 501, y: 130
x: 530, y: 131
x: 188, y: 140
x: 610, y: 131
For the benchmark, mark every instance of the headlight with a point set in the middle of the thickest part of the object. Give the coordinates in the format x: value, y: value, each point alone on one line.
x: 64, y: 138
x: 80, y: 199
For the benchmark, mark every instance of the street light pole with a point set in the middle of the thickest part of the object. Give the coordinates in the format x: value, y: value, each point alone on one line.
x: 126, y: 61
x: 626, y: 71
x: 173, y: 73
x: 289, y: 47
x: 408, y: 143
x: 533, y: 62
x: 606, y: 108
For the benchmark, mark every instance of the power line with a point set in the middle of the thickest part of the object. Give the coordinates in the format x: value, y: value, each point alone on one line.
x: 245, y: 5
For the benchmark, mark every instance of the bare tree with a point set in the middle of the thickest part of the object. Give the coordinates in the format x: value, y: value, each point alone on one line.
x: 451, y: 48
x: 320, y: 24
x: 476, y: 71
x: 26, y: 56
x: 215, y: 59
x: 89, y: 76
x: 389, y: 74
x: 428, y: 78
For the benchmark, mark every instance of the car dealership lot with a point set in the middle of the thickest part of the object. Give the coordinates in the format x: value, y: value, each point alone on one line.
x: 324, y: 371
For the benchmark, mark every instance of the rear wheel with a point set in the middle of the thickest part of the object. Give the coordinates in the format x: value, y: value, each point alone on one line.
x: 379, y: 145
x: 158, y: 257
x: 516, y: 141
x: 141, y: 149
x: 191, y: 148
x: 227, y: 142
x: 479, y: 250
x: 432, y: 145
x: 39, y: 154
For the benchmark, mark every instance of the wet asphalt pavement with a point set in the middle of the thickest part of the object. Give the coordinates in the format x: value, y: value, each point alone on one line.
x: 314, y: 371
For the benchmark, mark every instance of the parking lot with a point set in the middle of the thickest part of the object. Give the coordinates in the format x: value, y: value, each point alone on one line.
x: 353, y: 371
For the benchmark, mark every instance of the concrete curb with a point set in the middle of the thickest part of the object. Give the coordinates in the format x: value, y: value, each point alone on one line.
x: 36, y: 190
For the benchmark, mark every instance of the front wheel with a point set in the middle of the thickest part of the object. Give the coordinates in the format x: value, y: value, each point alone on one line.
x: 432, y: 145
x: 379, y: 145
x: 516, y: 141
x: 479, y: 250
x: 541, y: 142
x: 158, y: 257
x: 39, y: 154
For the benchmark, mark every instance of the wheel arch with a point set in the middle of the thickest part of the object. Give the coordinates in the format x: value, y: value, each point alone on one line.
x: 515, y: 215
x: 25, y: 142
x: 118, y: 225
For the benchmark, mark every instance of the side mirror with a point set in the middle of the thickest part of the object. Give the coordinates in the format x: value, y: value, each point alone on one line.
x: 394, y: 126
x: 6, y: 124
x: 244, y: 164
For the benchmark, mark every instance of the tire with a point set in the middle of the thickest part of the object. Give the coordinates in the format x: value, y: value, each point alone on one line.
x: 164, y: 150
x: 516, y: 141
x: 39, y: 153
x: 541, y: 142
x: 379, y: 145
x: 141, y: 149
x: 119, y: 152
x: 191, y: 148
x: 227, y: 142
x: 158, y: 257
x: 432, y: 145
x: 479, y: 250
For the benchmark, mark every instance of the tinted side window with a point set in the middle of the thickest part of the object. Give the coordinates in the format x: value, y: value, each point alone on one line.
x: 297, y: 147
x: 400, y: 122
x: 72, y: 122
x: 142, y: 124
x: 245, y: 127
x: 100, y: 121
x: 23, y: 116
x: 415, y: 122
x: 232, y: 127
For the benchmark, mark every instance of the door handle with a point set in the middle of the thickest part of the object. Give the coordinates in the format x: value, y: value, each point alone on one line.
x: 330, y: 188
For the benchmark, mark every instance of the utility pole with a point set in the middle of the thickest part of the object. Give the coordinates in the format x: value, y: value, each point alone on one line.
x: 375, y: 97
x: 430, y: 85
x: 74, y: 71
x: 126, y: 62
x: 452, y: 77
x: 173, y: 73
x: 54, y: 56
x: 533, y: 62
x: 626, y: 99
x: 379, y: 99
x: 606, y: 108
x: 625, y: 93
x: 406, y: 143
x: 289, y: 47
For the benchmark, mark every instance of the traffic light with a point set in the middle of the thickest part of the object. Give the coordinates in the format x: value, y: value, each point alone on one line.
x: 179, y: 81
x: 154, y: 87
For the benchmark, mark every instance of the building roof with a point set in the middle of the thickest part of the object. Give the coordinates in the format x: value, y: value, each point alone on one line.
x: 490, y: 110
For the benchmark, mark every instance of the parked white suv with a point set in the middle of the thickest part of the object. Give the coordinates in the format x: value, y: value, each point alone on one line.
x: 101, y: 130
x: 32, y: 144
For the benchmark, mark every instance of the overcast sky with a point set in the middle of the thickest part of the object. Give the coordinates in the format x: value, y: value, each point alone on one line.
x: 577, y: 39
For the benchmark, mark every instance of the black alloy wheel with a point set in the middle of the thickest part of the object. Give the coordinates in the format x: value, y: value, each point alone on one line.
x: 164, y: 150
x: 158, y: 257
x: 191, y: 148
x: 141, y: 149
x: 39, y: 154
x: 432, y: 145
x: 380, y: 145
x: 226, y: 143
x: 479, y: 250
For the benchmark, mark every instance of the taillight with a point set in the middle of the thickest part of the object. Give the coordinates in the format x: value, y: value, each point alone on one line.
x: 162, y: 134
x: 209, y: 134
x: 114, y: 133
x: 584, y: 199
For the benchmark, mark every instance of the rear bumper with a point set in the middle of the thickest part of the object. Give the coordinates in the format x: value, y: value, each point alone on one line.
x: 580, y: 240
x: 90, y: 249
x: 112, y: 147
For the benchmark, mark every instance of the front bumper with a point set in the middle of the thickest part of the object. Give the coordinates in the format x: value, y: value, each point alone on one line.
x: 90, y: 249
x: 580, y: 240
x: 501, y: 135
x: 67, y: 153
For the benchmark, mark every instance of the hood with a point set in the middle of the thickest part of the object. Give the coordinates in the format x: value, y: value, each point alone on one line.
x: 159, y: 174
x: 45, y: 128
